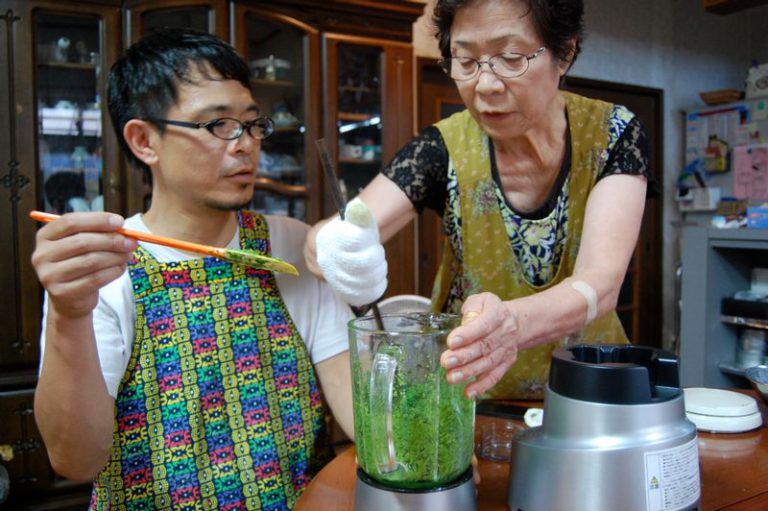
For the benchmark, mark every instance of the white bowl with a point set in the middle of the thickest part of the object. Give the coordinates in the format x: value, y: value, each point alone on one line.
x: 758, y: 377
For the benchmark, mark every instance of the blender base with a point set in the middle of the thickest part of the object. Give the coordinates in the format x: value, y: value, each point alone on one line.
x: 373, y: 496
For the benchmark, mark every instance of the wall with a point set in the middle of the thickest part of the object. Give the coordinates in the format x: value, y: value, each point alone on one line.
x: 673, y: 45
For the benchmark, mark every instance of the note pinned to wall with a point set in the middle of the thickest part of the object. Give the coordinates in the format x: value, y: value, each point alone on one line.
x: 750, y: 172
x: 760, y: 111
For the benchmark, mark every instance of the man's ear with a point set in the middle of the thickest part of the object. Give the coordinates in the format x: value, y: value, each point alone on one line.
x: 140, y: 137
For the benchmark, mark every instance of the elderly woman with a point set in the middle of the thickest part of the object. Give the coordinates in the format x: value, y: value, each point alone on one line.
x: 541, y: 193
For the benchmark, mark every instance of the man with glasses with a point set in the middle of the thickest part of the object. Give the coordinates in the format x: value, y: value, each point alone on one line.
x: 176, y: 381
x: 541, y: 192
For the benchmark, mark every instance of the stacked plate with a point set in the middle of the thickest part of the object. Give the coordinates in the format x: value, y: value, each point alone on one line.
x: 721, y: 411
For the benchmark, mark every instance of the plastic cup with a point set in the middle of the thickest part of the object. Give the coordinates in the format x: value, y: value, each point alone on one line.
x: 496, y: 440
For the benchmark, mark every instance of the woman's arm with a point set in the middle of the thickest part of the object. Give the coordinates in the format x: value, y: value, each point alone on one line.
x: 487, y: 344
x: 390, y: 206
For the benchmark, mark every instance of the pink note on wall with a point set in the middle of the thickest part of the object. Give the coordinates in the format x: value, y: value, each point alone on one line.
x: 750, y: 172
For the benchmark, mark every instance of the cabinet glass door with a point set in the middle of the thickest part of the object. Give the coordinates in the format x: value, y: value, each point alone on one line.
x: 68, y: 81
x: 188, y: 17
x: 369, y: 117
x: 358, y: 115
x: 277, y: 54
x: 147, y: 16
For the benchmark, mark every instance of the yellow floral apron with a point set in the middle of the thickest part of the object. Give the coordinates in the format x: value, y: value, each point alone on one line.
x: 489, y: 263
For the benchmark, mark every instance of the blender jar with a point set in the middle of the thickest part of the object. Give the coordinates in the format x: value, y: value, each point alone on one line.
x: 413, y: 430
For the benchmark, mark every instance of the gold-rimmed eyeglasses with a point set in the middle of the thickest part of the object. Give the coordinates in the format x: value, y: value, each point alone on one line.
x: 505, y: 65
x: 227, y: 128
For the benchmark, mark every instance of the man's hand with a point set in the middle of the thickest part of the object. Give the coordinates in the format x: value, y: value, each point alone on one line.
x: 76, y: 255
x: 351, y: 257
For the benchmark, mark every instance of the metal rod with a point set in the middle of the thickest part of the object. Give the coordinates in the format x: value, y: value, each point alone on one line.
x: 338, y: 200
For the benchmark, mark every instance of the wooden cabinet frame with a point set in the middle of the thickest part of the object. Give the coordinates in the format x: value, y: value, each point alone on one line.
x: 385, y: 23
x: 32, y: 479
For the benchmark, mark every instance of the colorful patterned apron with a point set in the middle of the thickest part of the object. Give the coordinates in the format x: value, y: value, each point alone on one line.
x: 489, y: 263
x: 219, y: 408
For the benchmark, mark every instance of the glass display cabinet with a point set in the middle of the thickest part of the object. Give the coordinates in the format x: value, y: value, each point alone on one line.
x: 283, y: 55
x: 57, y: 154
x: 335, y: 69
x: 68, y: 81
x: 359, y: 115
x: 56, y: 146
x: 369, y: 86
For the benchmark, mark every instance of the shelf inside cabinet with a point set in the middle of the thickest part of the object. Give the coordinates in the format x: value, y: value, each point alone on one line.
x: 82, y: 66
x: 282, y: 172
x: 761, y: 324
x: 350, y: 88
x: 70, y: 121
x: 353, y: 116
x: 289, y: 130
x: 730, y: 367
x: 730, y: 6
x: 360, y: 161
x: 273, y: 83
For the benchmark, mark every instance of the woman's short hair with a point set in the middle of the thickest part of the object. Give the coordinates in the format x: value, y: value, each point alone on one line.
x: 558, y: 22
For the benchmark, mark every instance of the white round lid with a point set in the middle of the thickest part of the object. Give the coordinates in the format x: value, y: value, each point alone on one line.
x: 719, y: 402
x: 716, y: 424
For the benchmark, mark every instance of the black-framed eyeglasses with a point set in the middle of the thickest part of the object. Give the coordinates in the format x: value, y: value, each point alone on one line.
x: 227, y: 128
x: 505, y: 65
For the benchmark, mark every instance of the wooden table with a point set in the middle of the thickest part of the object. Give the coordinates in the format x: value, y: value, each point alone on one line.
x: 734, y: 475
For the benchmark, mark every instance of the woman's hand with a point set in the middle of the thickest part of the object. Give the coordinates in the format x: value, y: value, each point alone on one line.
x: 351, y: 257
x: 76, y: 255
x: 484, y: 346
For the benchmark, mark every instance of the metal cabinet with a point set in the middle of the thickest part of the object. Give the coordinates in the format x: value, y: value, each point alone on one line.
x: 716, y: 264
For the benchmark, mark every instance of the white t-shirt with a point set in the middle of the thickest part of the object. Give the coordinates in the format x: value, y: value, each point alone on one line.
x: 319, y: 314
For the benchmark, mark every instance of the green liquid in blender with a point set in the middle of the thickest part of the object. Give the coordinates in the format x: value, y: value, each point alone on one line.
x: 432, y: 427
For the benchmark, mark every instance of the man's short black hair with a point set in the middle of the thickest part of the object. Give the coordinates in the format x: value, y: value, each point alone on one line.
x: 144, y: 82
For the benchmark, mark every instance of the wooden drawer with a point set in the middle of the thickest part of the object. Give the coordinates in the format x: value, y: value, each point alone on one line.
x: 32, y: 478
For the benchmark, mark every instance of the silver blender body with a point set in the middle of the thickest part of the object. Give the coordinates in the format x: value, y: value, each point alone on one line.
x: 614, y: 436
x: 373, y: 496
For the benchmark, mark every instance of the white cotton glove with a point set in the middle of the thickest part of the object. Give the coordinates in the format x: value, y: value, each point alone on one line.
x: 351, y: 257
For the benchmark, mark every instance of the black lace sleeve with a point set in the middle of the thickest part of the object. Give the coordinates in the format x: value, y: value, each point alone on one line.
x: 420, y: 170
x: 630, y: 156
